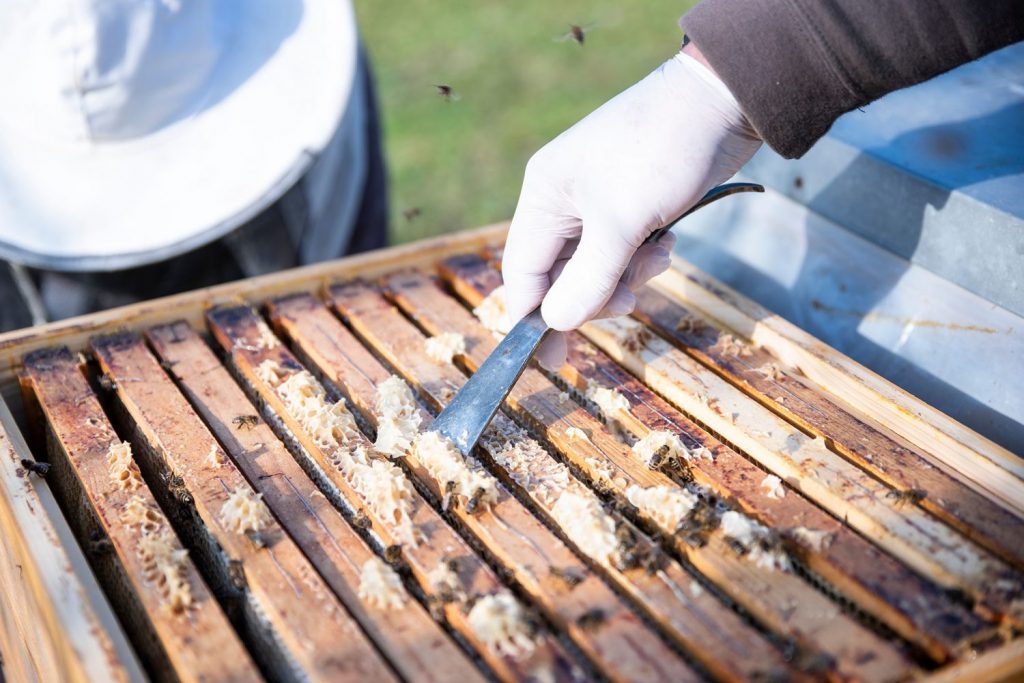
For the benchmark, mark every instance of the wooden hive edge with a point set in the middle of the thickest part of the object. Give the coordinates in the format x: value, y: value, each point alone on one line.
x: 191, y: 642
x: 56, y: 622
x: 987, y: 465
x: 191, y: 306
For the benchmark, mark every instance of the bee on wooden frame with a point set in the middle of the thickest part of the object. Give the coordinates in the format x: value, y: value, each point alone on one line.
x: 245, y: 421
x: 473, y: 505
x: 653, y: 561
x: 361, y: 521
x: 699, y: 523
x: 236, y: 574
x: 450, y: 499
x: 570, y: 576
x: 176, y: 487
x: 690, y: 325
x: 256, y: 538
x: 393, y: 553
x: 591, y: 619
x: 912, y: 496
x: 40, y: 469
x: 99, y: 543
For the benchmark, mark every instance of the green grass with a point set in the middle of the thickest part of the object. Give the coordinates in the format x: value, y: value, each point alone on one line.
x: 461, y: 162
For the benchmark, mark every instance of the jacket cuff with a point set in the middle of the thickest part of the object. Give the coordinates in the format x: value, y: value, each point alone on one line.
x: 769, y: 56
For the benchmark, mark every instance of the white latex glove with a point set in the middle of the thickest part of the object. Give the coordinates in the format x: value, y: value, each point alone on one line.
x: 593, y: 194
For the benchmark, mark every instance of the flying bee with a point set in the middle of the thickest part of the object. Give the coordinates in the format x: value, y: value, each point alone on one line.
x: 591, y: 619
x: 577, y: 34
x: 412, y: 213
x: 39, y: 469
x: 913, y: 496
x: 246, y: 421
x: 446, y: 93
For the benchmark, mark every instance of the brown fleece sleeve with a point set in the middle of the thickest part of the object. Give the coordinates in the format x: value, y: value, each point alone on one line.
x: 796, y: 65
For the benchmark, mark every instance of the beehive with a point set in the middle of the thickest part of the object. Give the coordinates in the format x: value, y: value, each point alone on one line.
x: 703, y: 492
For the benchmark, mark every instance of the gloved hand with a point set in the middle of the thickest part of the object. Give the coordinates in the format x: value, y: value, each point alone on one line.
x: 593, y: 194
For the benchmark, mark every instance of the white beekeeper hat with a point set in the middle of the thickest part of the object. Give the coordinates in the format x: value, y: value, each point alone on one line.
x: 134, y: 130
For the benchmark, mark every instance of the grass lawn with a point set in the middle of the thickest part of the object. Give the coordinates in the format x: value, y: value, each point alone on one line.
x: 460, y: 163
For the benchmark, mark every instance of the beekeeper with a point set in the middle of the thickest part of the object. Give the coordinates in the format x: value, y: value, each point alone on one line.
x: 152, y: 146
x: 774, y: 72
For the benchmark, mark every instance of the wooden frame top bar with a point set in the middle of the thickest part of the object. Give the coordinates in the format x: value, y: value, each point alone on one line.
x: 53, y: 606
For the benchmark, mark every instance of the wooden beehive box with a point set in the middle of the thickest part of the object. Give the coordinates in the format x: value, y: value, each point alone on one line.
x: 703, y: 492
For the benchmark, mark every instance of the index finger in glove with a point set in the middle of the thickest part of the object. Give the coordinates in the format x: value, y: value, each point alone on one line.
x: 589, y: 279
x: 535, y: 242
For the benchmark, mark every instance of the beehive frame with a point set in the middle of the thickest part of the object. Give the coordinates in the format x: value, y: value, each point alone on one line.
x: 48, y: 636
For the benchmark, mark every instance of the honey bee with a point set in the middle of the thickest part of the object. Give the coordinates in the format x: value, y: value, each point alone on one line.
x: 107, y: 383
x: 450, y: 499
x: 176, y: 487
x: 570, y: 576
x: 699, y: 523
x: 913, y: 496
x: 690, y: 325
x: 256, y: 538
x: 393, y: 553
x: 660, y: 458
x: 412, y: 213
x: 473, y: 505
x: 591, y: 619
x: 176, y: 337
x: 653, y: 561
x: 246, y: 421
x: 236, y: 574
x: 446, y: 93
x: 577, y: 34
x: 99, y: 543
x: 361, y: 521
x: 436, y: 605
x: 40, y: 469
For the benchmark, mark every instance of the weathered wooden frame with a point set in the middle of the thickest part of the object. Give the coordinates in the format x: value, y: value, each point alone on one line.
x: 56, y: 623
